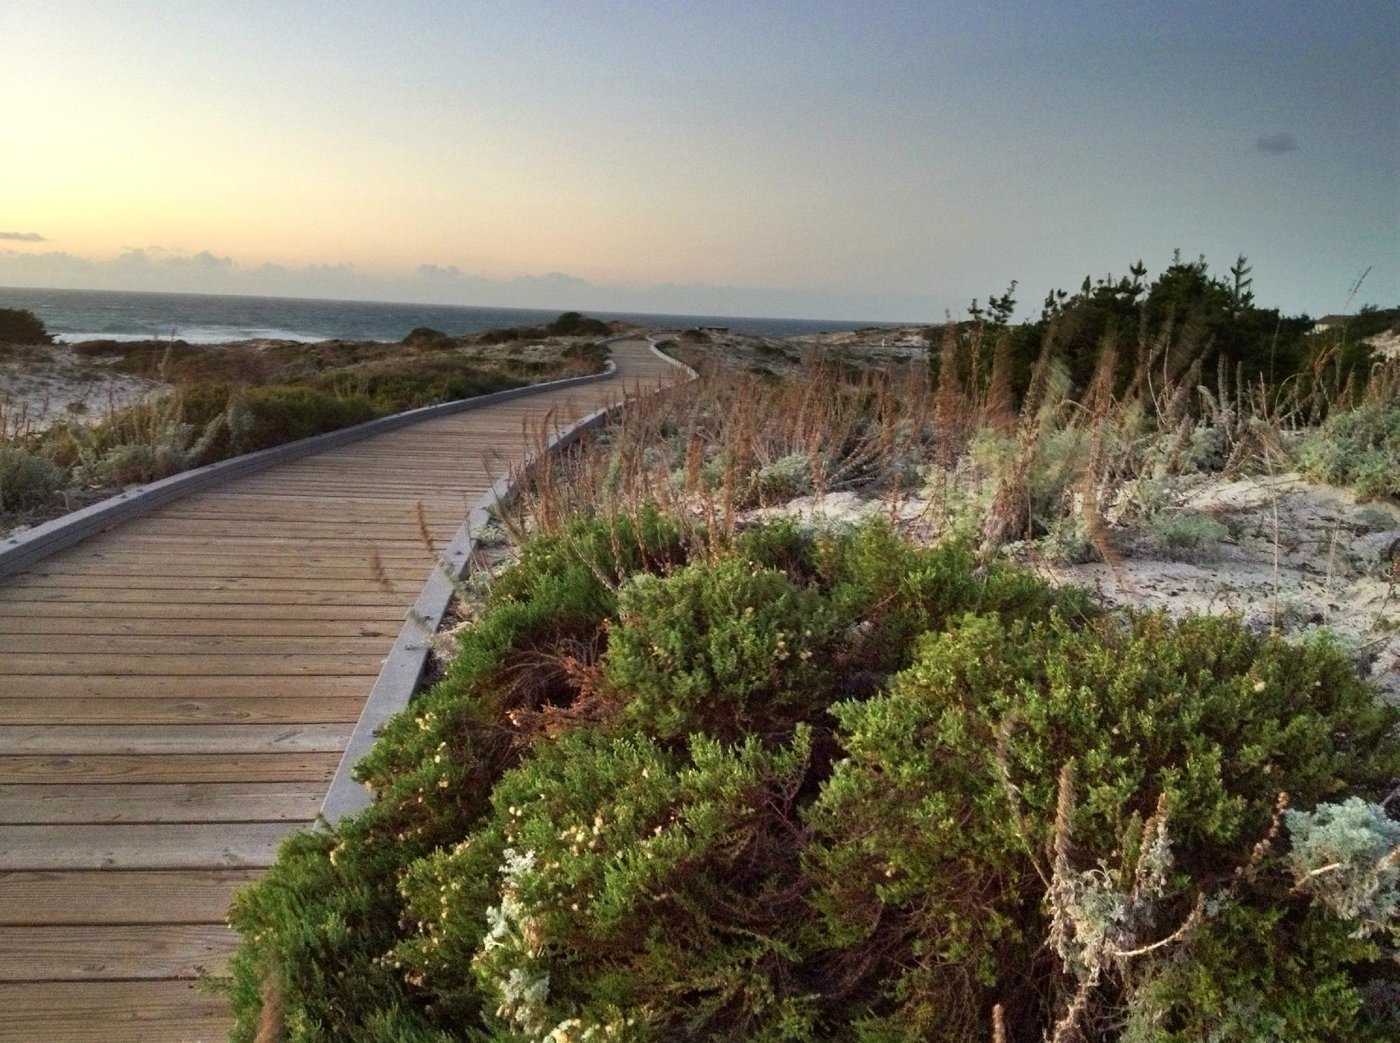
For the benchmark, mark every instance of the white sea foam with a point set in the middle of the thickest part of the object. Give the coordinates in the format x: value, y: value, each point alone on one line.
x: 198, y: 335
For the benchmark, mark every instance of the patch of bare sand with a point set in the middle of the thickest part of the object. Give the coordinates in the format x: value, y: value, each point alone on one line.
x: 1300, y: 558
x: 43, y: 384
x: 1386, y: 344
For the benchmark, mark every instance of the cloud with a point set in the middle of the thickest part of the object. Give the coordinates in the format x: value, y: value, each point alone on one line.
x: 1276, y: 144
x: 204, y: 259
x: 434, y: 271
x: 23, y: 237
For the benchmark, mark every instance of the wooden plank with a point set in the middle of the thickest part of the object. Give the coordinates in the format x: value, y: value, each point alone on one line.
x: 112, y: 1012
x: 307, y: 709
x: 170, y: 767
x: 85, y: 953
x: 188, y: 627
x: 201, y: 645
x: 304, y: 530
x: 253, y: 686
x: 112, y: 896
x: 85, y: 664
x: 247, y: 567
x: 140, y: 845
x: 172, y: 738
x: 241, y: 542
x: 156, y: 802
x: 210, y: 580
x: 401, y: 552
x: 369, y: 599
x: 162, y: 608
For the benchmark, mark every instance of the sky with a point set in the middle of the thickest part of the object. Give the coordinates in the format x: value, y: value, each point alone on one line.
x: 876, y: 160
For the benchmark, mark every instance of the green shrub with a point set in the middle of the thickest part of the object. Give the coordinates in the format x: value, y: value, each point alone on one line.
x: 1357, y: 447
x: 784, y: 479
x: 425, y: 337
x: 721, y: 649
x: 27, y: 480
x: 594, y: 353
x: 21, y: 326
x: 280, y: 413
x: 421, y: 382
x: 809, y: 789
x: 618, y: 878
x: 936, y: 826
x: 1183, y: 534
x: 572, y: 324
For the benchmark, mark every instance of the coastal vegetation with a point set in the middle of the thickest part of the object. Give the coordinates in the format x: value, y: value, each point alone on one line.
x: 701, y: 769
x: 837, y: 786
x: 19, y: 326
x: 210, y: 402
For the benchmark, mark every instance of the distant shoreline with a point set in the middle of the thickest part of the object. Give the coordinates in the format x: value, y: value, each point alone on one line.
x: 76, y: 315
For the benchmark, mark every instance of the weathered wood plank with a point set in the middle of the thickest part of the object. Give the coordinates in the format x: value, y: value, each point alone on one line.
x: 270, y: 709
x: 196, y: 627
x: 50, y: 953
x: 85, y: 664
x: 161, y: 607
x: 173, y: 845
x: 111, y: 686
x: 67, y: 739
x: 211, y: 580
x: 371, y: 598
x: 199, y: 645
x: 170, y: 767
x: 117, y: 896
x: 244, y: 542
x: 243, y: 567
x: 157, y: 802
x: 84, y: 557
x: 112, y: 1012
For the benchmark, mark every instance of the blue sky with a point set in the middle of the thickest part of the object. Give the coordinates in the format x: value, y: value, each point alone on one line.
x: 840, y: 160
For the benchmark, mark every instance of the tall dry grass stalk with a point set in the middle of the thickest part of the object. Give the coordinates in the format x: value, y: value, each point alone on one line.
x: 707, y: 451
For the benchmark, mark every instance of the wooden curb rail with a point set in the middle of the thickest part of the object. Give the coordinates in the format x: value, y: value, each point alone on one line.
x: 403, y: 668
x: 23, y: 549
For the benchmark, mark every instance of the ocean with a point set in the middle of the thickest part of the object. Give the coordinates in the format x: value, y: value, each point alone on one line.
x: 74, y: 315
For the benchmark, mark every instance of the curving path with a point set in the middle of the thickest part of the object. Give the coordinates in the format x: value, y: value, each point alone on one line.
x: 176, y: 693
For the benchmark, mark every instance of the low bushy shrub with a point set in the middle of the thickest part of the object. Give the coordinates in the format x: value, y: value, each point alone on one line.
x: 938, y: 825
x: 284, y: 413
x: 833, y: 786
x: 1357, y: 447
x: 27, y: 480
x: 573, y: 324
x: 21, y: 326
x: 1183, y: 534
x: 425, y: 337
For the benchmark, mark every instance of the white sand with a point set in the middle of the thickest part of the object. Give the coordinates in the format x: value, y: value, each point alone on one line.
x: 39, y: 386
x: 1303, y: 558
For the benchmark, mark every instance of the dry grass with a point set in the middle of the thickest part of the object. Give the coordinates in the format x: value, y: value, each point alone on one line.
x: 709, y: 451
x: 1062, y: 469
x: 182, y: 405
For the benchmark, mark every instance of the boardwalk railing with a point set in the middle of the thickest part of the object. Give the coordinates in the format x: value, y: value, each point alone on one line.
x: 399, y: 678
x: 19, y: 551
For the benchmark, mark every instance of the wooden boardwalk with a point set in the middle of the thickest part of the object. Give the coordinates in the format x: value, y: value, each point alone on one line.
x: 175, y: 694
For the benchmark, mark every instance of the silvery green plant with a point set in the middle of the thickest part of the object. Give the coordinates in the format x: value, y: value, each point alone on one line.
x: 1347, y: 856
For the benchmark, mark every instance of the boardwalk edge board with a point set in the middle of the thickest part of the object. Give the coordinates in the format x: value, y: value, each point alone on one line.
x: 23, y: 549
x: 398, y: 679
